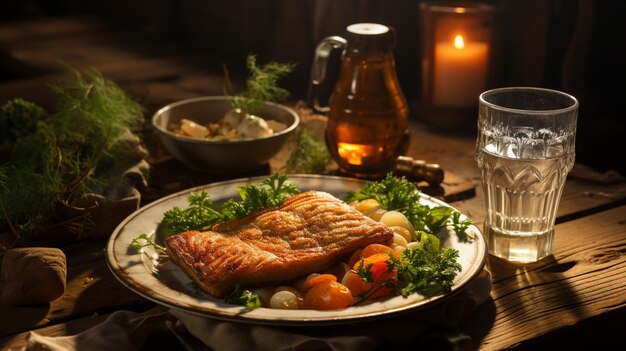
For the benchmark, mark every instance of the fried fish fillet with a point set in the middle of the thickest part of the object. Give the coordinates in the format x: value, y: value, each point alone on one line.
x: 308, y: 233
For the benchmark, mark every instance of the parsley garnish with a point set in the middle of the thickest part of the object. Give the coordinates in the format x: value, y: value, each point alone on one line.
x: 199, y: 215
x: 365, y: 272
x: 460, y: 226
x: 272, y: 192
x: 425, y: 271
x: 243, y: 297
x: 144, y: 240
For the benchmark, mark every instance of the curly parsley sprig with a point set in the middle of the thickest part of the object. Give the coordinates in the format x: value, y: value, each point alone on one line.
x: 425, y: 271
x: 199, y: 215
x: 144, y: 240
x: 272, y: 192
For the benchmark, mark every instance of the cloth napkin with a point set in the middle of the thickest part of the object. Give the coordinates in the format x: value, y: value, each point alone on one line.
x: 125, y: 330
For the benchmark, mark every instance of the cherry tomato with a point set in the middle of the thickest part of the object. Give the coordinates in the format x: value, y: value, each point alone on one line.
x: 372, y: 249
x: 315, y: 279
x: 378, y: 257
x: 356, y: 285
x: 327, y: 295
x: 379, y: 272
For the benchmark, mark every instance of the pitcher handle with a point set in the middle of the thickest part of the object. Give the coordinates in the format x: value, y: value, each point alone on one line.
x: 318, y: 69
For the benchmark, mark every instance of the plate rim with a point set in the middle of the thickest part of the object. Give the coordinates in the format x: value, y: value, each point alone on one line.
x: 480, y: 256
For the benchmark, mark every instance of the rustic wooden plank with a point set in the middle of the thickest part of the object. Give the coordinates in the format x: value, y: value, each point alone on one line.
x: 454, y: 154
x: 582, y: 280
x: 453, y: 188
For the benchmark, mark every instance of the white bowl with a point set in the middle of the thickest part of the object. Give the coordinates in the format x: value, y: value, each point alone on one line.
x: 221, y: 156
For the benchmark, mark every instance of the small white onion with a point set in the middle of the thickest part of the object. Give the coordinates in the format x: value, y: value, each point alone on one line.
x: 232, y: 119
x: 377, y: 215
x: 399, y: 248
x: 253, y: 127
x: 402, y: 231
x: 285, y: 299
x: 367, y: 206
x: 399, y: 240
x: 392, y: 218
x: 290, y: 289
x: 414, y: 245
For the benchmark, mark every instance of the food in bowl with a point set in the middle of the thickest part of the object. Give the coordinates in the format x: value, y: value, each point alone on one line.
x: 221, y: 156
x: 224, y: 148
x: 235, y: 124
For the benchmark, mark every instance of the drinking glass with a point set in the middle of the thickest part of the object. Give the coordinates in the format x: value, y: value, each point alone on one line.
x: 525, y: 148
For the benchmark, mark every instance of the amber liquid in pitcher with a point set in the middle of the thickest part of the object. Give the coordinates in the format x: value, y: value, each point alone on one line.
x: 368, y: 117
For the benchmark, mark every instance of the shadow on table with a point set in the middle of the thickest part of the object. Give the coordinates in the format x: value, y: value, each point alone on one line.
x: 478, y: 324
x: 523, y: 292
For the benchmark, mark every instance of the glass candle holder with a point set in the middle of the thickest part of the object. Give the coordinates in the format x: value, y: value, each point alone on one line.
x: 457, y: 47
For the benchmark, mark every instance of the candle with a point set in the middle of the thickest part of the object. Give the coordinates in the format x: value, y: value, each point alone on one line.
x: 460, y: 73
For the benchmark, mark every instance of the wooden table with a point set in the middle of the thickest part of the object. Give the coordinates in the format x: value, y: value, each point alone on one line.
x: 575, y: 299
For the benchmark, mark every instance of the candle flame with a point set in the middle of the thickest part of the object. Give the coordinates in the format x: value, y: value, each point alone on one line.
x: 359, y: 154
x: 458, y: 42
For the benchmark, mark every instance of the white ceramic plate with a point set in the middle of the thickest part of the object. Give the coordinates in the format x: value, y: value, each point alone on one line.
x: 164, y: 283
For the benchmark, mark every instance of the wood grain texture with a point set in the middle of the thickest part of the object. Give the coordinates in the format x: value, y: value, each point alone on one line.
x: 584, y: 278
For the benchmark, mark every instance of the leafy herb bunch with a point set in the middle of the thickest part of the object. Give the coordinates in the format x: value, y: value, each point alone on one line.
x: 262, y: 85
x: 200, y: 215
x: 50, y: 160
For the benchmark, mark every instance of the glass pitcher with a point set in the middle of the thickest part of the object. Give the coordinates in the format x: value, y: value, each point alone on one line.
x: 367, y: 112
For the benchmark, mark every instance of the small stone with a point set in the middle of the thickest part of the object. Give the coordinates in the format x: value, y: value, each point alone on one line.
x: 33, y: 275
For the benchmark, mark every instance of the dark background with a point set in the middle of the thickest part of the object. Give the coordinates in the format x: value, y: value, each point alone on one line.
x: 573, y: 46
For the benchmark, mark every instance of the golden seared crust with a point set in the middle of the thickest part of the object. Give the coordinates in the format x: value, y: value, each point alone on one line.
x: 308, y: 233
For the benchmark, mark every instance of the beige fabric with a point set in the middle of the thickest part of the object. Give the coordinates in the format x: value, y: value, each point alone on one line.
x: 125, y: 330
